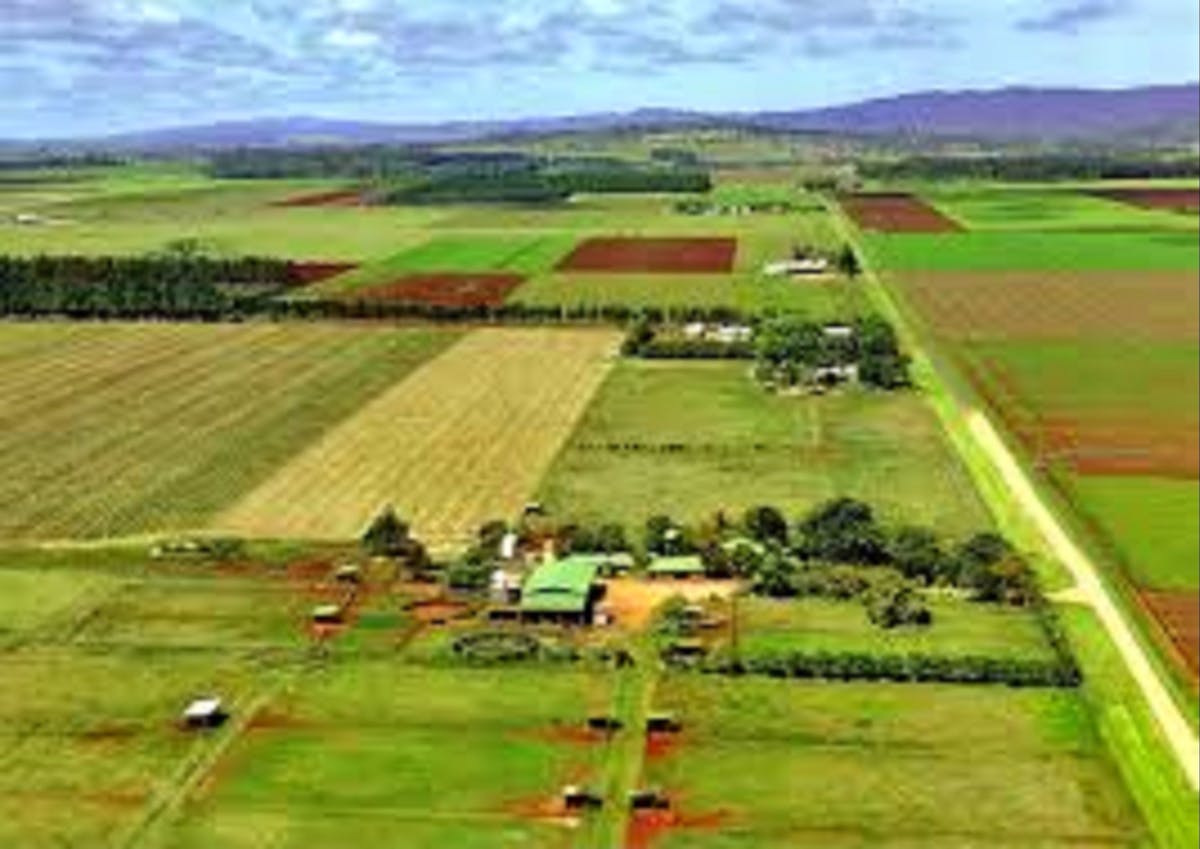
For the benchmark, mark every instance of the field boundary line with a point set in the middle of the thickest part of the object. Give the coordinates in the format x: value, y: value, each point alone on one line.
x: 1020, y: 492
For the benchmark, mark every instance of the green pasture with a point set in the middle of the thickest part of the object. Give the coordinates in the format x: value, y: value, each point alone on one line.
x: 828, y: 299
x: 423, y: 756
x: 1129, y: 380
x: 1153, y: 523
x: 117, y: 429
x: 740, y: 446
x: 1046, y: 210
x: 778, y: 764
x: 1166, y: 250
x: 770, y: 627
x: 95, y: 734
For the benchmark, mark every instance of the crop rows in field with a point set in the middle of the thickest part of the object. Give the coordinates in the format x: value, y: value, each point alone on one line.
x: 122, y: 429
x: 461, y: 441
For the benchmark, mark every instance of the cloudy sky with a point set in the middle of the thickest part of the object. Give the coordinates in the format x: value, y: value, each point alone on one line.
x: 96, y: 66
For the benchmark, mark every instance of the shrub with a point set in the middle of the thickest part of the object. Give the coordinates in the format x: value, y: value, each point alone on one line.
x: 895, y: 602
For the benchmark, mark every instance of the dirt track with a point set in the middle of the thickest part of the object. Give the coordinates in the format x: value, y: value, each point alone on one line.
x: 1091, y: 591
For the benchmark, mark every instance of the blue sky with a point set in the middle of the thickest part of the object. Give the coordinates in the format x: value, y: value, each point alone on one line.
x: 98, y: 66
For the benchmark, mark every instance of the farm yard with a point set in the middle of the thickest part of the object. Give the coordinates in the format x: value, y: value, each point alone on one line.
x: 1076, y: 318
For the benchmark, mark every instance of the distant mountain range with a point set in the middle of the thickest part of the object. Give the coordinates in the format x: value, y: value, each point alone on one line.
x: 1153, y: 114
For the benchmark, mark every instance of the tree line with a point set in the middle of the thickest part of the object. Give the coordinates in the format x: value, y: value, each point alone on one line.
x: 1032, y: 167
x: 156, y: 286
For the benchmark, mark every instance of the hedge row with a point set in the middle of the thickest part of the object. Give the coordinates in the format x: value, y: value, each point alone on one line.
x: 903, y: 668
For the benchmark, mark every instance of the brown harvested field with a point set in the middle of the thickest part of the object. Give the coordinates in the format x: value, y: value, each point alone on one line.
x: 653, y: 255
x: 896, y: 212
x: 1179, y: 614
x: 464, y: 439
x: 981, y: 305
x: 1175, y: 200
x: 446, y: 290
x: 340, y: 197
x: 307, y: 273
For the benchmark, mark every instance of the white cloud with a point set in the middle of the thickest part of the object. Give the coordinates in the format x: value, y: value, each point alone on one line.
x: 352, y: 39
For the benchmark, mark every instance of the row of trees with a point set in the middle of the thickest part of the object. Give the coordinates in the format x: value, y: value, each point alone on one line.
x: 539, y: 184
x: 155, y: 286
x: 1032, y: 167
x: 1057, y: 671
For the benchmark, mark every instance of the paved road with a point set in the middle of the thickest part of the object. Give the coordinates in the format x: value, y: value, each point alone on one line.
x: 1089, y: 589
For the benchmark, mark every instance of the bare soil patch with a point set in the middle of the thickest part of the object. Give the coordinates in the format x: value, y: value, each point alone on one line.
x: 340, y: 197
x: 896, y: 212
x: 633, y: 600
x: 648, y: 827
x: 1179, y: 615
x: 446, y: 290
x: 1175, y: 200
x: 974, y: 306
x: 653, y: 255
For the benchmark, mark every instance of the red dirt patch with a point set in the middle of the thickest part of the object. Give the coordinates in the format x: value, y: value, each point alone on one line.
x: 105, y: 733
x: 446, y: 290
x: 897, y: 212
x: 340, y: 197
x: 660, y: 745
x: 1179, y: 615
x: 646, y: 827
x: 668, y: 256
x: 439, y: 611
x: 1174, y: 200
x: 267, y: 719
x: 307, y: 273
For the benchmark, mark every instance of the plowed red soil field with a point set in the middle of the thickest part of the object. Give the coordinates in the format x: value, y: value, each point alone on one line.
x: 896, y: 213
x: 1179, y: 614
x: 341, y: 197
x: 307, y: 273
x: 981, y: 305
x: 1176, y: 200
x: 447, y: 290
x: 665, y: 255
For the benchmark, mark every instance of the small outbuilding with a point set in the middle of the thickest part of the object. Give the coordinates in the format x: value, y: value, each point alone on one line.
x: 809, y: 266
x: 576, y: 798
x: 206, y: 712
x: 676, y: 568
x: 648, y: 799
x: 348, y: 573
x: 328, y: 614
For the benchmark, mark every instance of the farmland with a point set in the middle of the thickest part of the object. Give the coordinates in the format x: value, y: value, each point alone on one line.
x: 467, y: 437
x: 125, y: 429
x: 874, y: 765
x: 1076, y: 318
x: 738, y: 447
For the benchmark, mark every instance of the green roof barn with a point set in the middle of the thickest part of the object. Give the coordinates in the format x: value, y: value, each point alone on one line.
x: 563, y: 590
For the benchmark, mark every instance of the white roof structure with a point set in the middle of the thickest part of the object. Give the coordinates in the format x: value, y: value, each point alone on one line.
x: 838, y: 331
x: 508, y: 546
x: 202, y: 708
x: 812, y: 265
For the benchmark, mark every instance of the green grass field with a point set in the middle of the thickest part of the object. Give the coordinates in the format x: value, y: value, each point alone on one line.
x: 959, y: 628
x: 1153, y: 522
x: 777, y: 764
x: 120, y: 429
x: 743, y: 446
x: 1044, y: 210
x: 1165, y: 250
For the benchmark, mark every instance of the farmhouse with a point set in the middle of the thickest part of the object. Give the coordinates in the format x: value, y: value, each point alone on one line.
x: 725, y: 333
x: 809, y: 266
x: 561, y: 591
